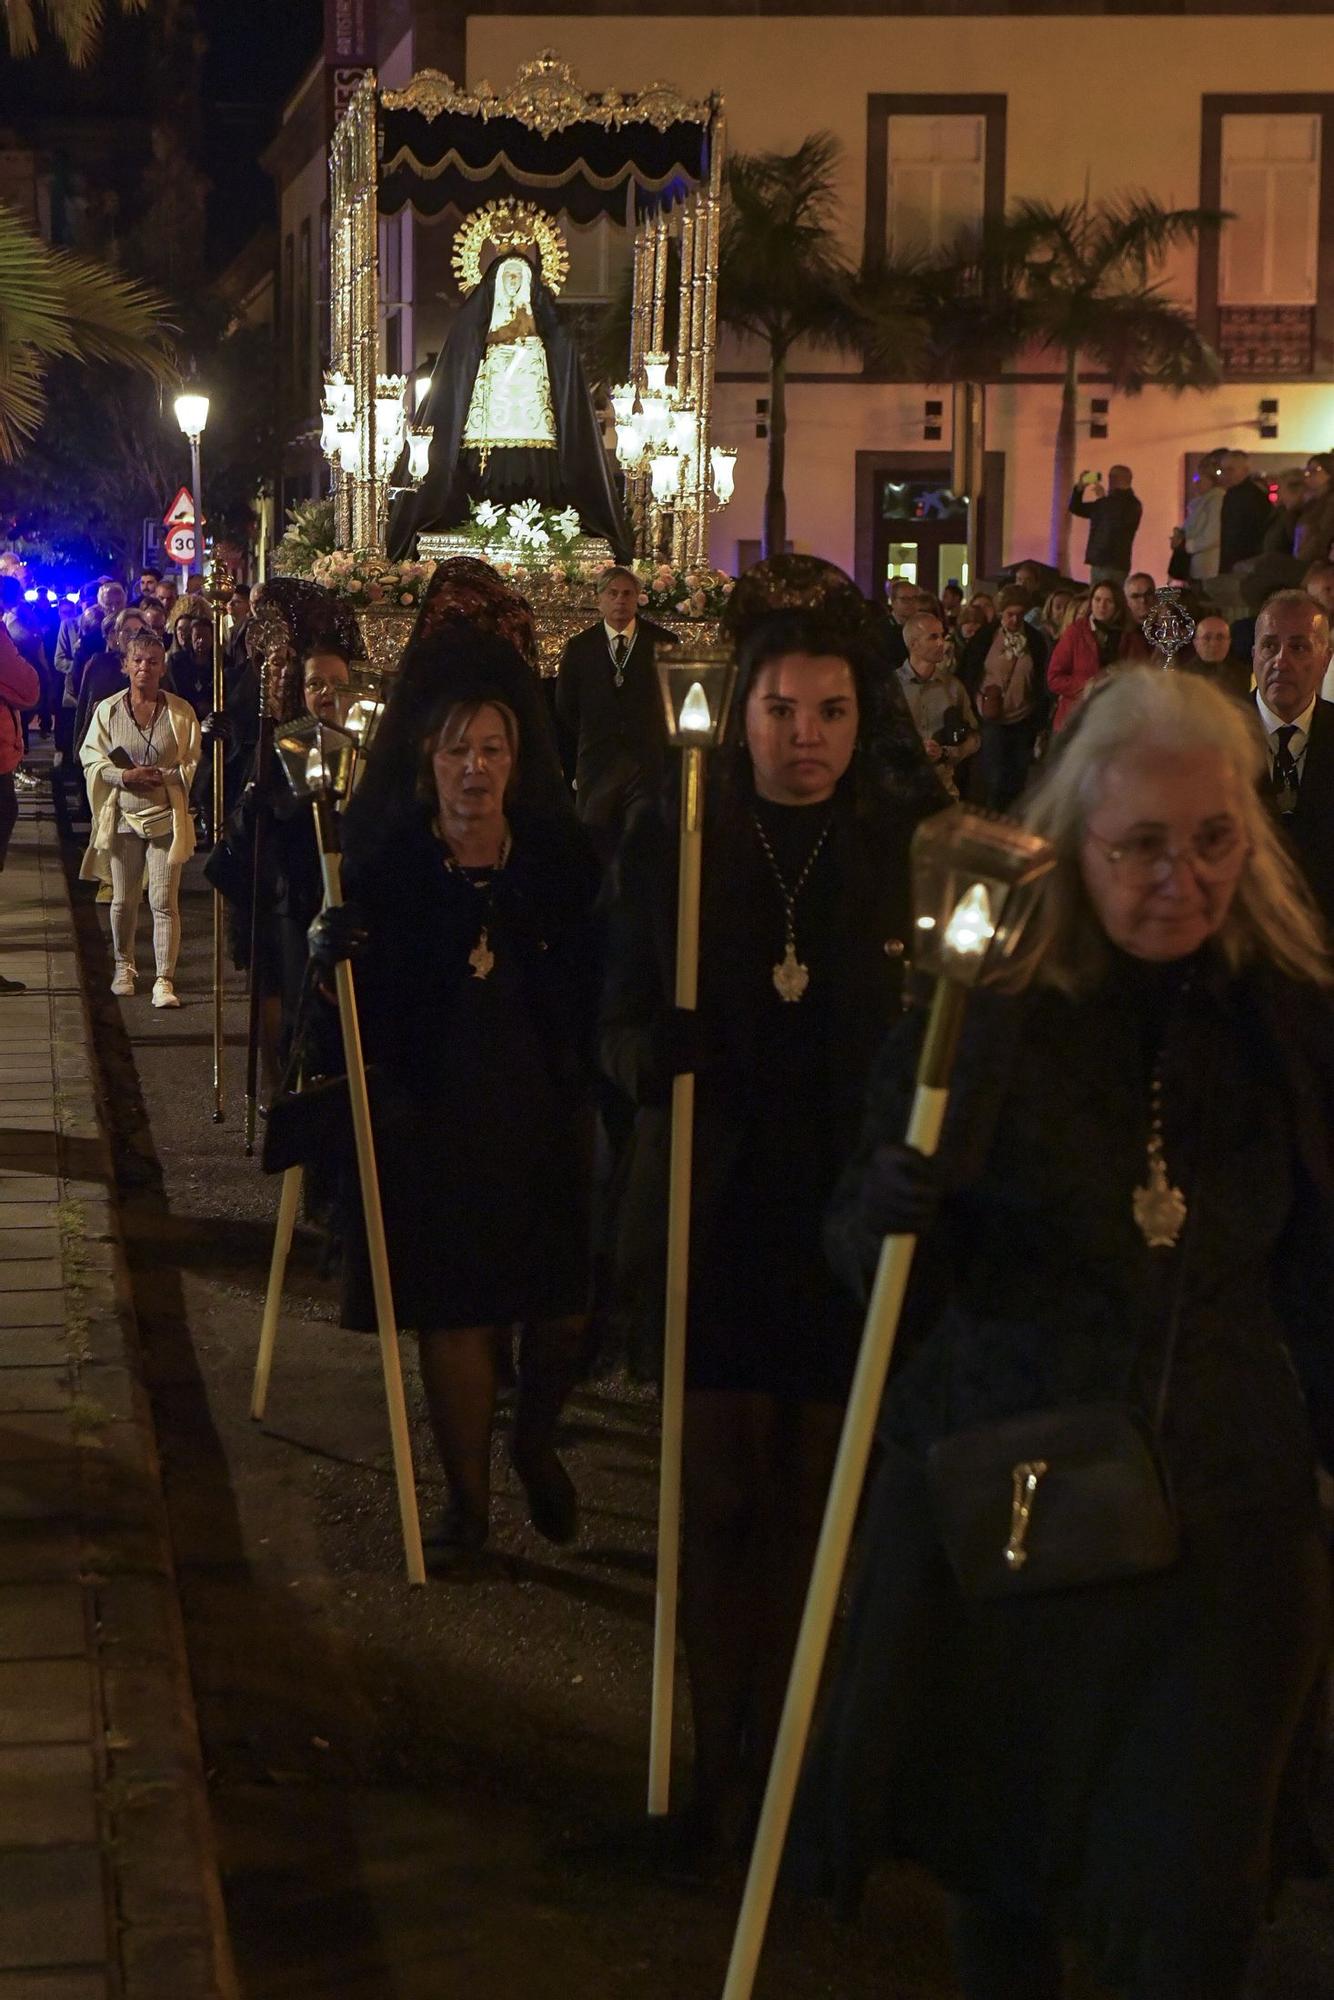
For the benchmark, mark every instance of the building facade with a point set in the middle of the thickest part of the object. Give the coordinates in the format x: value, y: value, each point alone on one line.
x: 944, y: 114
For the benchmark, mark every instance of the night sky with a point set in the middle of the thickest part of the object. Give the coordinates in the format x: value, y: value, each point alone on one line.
x: 258, y: 49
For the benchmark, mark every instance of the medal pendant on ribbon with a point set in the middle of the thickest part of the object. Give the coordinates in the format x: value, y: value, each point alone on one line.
x: 791, y: 978
x: 1160, y: 1209
x: 481, y: 958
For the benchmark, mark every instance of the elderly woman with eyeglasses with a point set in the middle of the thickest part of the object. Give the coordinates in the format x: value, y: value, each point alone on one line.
x: 1093, y: 1743
x: 139, y: 756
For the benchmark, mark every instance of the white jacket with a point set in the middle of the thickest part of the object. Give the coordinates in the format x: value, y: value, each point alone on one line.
x: 104, y: 790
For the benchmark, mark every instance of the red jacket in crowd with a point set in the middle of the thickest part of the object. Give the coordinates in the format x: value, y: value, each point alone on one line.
x: 1074, y: 663
x: 19, y: 688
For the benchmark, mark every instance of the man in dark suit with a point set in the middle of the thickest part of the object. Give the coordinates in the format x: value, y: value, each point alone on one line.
x: 608, y: 709
x: 1292, y: 650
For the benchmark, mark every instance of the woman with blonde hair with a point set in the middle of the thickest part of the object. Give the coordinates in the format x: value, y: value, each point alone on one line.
x: 139, y: 757
x: 1089, y: 1719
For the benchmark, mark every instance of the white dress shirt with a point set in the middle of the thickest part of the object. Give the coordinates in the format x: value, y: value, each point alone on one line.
x: 628, y: 635
x: 1301, y: 728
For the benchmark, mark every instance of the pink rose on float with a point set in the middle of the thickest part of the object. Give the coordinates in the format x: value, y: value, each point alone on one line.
x: 643, y: 597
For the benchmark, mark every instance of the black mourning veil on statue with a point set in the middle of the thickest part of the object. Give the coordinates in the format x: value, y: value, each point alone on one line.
x: 574, y: 472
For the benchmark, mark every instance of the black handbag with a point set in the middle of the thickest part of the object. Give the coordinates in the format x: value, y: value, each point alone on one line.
x: 1053, y: 1499
x: 306, y: 1125
x: 1059, y: 1499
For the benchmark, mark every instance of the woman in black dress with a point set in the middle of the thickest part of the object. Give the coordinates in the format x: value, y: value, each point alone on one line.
x: 805, y: 912
x: 1112, y: 1764
x: 477, y: 982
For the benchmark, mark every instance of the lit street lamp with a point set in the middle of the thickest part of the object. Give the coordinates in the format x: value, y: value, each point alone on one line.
x: 192, y: 415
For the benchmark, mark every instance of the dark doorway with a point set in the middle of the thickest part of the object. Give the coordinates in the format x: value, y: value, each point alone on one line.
x: 920, y: 531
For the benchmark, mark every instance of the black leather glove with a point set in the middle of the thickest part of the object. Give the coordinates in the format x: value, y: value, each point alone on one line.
x: 213, y: 729
x: 336, y: 935
x: 685, y: 1046
x: 901, y: 1192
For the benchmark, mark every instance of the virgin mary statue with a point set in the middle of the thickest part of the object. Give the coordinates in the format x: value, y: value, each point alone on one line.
x: 512, y: 416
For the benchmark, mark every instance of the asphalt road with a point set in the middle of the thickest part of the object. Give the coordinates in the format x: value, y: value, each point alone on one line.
x: 423, y: 1794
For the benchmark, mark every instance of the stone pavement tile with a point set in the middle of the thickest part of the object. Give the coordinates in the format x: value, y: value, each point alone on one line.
x: 34, y: 1154
x: 34, y: 1093
x: 44, y: 1439
x: 39, y: 1493
x: 54, y: 1986
x: 152, y: 1829
x: 157, y: 1963
x: 32, y: 1389
x: 24, y: 1215
x: 52, y: 1910
x: 31, y: 1551
x: 33, y: 1347
x: 46, y: 1796
x: 31, y: 1309
x: 106, y: 1392
x: 42, y: 1621
x: 52, y: 1704
x: 38, y: 1121
x: 31, y: 1274
x: 20, y: 1242
x: 26, y: 1188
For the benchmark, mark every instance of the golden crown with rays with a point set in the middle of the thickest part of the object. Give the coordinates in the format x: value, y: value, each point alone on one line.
x: 510, y: 225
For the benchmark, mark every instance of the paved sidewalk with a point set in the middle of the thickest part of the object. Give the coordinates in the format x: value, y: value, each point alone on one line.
x: 108, y: 1884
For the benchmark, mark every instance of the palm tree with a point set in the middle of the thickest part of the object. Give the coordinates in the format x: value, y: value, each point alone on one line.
x: 1080, y: 283
x: 54, y: 305
x: 76, y: 24
x: 783, y: 279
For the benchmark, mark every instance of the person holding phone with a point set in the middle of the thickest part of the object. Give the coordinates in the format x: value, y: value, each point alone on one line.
x: 1113, y: 514
x: 139, y: 757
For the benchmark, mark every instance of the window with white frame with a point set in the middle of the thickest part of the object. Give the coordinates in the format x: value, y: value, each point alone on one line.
x: 937, y: 181
x: 599, y: 253
x: 1271, y: 187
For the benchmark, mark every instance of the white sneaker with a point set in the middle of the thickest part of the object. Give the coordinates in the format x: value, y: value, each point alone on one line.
x: 123, y: 983
x: 164, y: 994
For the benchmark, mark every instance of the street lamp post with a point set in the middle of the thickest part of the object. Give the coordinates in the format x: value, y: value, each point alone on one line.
x: 192, y: 415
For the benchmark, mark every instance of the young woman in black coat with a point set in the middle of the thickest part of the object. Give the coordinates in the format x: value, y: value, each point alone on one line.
x: 477, y: 978
x: 804, y: 927
x: 1115, y: 1763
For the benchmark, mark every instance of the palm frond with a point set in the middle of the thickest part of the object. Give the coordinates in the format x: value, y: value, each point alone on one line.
x: 1142, y: 337
x: 22, y: 400
x: 76, y: 25
x: 55, y: 306
x: 782, y: 276
x: 1133, y: 232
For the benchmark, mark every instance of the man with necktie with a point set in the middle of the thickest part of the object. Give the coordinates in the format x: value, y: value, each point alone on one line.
x: 608, y: 709
x: 1292, y: 651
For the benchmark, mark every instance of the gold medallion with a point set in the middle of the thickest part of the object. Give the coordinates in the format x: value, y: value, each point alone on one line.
x: 791, y: 978
x: 1160, y: 1208
x: 481, y: 958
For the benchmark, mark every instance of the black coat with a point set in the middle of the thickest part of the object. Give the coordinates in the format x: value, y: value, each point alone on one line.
x: 1311, y: 827
x: 1113, y: 525
x: 779, y: 1086
x: 290, y: 883
x: 1110, y: 1755
x: 485, y: 1140
x: 612, y: 740
x: 1247, y: 513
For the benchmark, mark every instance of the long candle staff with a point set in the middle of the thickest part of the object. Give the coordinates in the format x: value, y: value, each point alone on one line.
x: 974, y: 878
x: 697, y: 691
